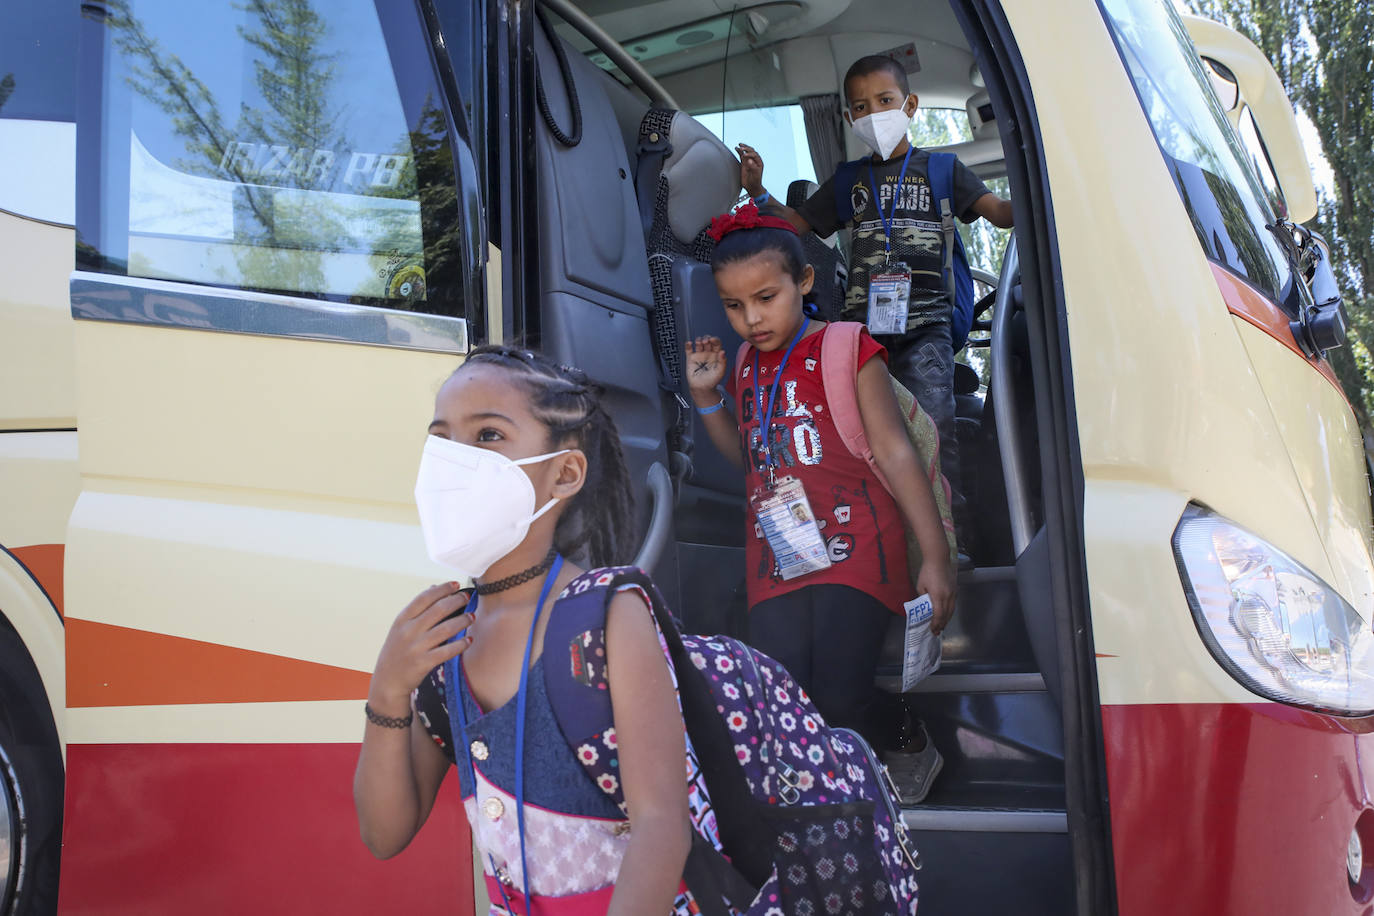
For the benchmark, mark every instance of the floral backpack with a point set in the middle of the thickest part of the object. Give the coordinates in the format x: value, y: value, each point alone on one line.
x: 790, y: 816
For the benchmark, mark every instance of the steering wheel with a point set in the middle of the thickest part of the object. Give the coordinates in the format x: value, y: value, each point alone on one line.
x: 982, y: 319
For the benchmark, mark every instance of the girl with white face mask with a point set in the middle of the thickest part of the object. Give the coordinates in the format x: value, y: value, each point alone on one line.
x: 523, y: 467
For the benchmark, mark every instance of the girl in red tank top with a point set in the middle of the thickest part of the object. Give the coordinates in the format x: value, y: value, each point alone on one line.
x: 862, y: 528
x: 825, y: 544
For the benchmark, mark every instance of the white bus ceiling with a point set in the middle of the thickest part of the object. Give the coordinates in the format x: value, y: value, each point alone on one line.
x: 781, y: 51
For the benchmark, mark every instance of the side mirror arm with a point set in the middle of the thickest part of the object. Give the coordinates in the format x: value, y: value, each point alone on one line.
x: 1322, y: 322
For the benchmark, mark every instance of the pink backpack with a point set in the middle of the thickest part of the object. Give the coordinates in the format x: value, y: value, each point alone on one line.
x: 839, y: 374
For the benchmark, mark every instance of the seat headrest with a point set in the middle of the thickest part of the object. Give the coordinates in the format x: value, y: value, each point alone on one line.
x: 703, y: 177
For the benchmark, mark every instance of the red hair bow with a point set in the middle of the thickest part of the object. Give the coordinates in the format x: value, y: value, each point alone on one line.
x: 746, y: 217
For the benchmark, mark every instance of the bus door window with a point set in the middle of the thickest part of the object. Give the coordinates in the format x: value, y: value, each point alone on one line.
x: 293, y: 146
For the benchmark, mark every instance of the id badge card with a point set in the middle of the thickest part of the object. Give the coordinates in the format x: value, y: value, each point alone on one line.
x: 922, y: 649
x: 785, y: 517
x: 888, y: 293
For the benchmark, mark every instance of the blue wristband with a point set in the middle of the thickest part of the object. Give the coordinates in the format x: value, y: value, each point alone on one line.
x: 713, y: 408
x: 762, y: 199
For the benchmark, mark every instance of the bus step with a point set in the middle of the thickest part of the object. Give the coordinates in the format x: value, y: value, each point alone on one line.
x: 1010, y: 682
x: 982, y: 575
x: 986, y: 635
x: 985, y: 820
x: 992, y: 861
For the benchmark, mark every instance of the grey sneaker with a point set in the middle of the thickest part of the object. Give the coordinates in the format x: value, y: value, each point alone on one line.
x: 914, y: 773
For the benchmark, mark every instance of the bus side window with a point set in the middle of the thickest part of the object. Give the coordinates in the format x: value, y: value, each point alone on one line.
x: 295, y: 147
x: 38, y: 110
x: 1228, y: 206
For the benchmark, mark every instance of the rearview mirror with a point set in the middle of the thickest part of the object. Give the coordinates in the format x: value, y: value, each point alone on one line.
x: 1258, y: 85
x: 1224, y: 83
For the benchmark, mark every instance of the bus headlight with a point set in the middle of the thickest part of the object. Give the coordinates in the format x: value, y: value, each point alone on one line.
x: 1270, y: 621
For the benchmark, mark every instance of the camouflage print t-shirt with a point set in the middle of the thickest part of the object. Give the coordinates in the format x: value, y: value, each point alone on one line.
x: 916, y: 230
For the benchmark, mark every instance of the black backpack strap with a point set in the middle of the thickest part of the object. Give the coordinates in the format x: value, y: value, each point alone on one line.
x: 574, y: 664
x: 713, y: 881
x: 940, y: 172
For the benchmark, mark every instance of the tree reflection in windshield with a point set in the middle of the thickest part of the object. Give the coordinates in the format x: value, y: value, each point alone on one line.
x: 276, y: 163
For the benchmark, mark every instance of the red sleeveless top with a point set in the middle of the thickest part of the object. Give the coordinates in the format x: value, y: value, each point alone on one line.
x: 862, y: 526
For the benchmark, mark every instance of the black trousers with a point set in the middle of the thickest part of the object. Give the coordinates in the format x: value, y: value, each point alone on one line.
x: 829, y: 638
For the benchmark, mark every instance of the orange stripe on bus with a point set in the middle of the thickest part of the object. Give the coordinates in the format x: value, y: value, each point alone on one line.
x: 1255, y: 308
x: 116, y: 666
x: 44, y: 561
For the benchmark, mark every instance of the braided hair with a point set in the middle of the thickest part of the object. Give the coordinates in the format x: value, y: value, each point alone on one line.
x: 600, y: 518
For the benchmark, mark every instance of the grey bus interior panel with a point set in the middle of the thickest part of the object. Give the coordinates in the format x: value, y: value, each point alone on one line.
x: 616, y: 350
x: 718, y: 589
x: 594, y: 270
x: 590, y: 239
x: 629, y: 108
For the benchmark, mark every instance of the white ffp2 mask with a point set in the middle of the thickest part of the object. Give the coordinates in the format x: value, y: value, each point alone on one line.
x: 475, y: 505
x: 883, y: 131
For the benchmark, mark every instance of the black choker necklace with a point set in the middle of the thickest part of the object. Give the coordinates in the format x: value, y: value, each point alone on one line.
x: 520, y: 578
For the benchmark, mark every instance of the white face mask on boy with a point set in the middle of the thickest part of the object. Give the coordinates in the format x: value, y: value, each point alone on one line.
x: 882, y: 131
x: 475, y: 505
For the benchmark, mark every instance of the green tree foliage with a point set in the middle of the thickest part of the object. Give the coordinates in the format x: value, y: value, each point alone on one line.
x: 6, y: 88
x: 1323, y: 51
x: 291, y: 73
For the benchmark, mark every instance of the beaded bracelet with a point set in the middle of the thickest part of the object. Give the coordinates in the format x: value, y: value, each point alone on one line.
x: 387, y: 721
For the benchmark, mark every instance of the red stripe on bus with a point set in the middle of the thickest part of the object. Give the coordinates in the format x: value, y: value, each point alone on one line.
x: 117, y: 666
x: 155, y: 829
x: 44, y: 563
x: 1255, y: 308
x: 1233, y: 808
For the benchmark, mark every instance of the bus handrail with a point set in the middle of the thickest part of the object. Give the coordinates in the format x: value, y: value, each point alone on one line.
x: 660, y: 519
x: 1004, y: 404
x: 613, y: 50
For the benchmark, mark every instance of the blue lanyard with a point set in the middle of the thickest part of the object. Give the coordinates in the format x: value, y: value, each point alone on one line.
x: 888, y: 221
x: 773, y: 392
x: 458, y: 726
